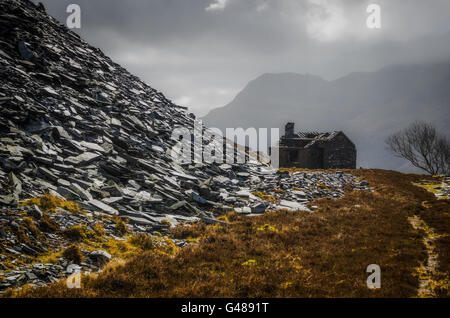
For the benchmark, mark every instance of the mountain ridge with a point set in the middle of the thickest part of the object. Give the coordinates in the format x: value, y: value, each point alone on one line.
x: 365, y: 104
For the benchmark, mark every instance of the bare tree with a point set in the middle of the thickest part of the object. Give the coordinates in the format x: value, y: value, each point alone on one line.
x: 423, y: 146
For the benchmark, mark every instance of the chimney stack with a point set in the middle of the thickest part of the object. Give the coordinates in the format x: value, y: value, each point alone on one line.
x: 289, y: 130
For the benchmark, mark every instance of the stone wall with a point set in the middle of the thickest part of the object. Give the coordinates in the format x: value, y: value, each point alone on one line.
x: 340, y: 153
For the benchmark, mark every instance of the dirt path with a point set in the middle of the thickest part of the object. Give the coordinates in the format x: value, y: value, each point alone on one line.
x: 427, y: 271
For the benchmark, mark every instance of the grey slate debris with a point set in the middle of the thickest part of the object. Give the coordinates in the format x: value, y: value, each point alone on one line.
x: 35, y: 212
x: 104, y: 207
x: 100, y: 256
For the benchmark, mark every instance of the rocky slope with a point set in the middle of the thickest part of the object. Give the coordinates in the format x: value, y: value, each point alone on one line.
x: 77, y: 126
x: 399, y: 226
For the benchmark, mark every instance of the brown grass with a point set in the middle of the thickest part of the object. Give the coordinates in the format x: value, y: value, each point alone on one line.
x: 29, y: 224
x: 75, y: 233
x: 289, y: 254
x: 79, y: 233
x: 143, y: 241
x: 121, y: 226
x: 48, y: 225
x: 50, y: 203
x: 73, y: 254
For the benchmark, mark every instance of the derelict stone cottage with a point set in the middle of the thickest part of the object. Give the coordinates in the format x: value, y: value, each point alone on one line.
x: 331, y: 150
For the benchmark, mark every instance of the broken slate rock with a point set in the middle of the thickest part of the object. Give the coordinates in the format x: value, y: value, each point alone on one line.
x: 35, y: 212
x: 103, y: 207
x: 83, y: 159
x: 101, y: 257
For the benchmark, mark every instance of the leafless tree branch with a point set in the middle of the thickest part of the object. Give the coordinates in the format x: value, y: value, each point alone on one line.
x: 423, y: 146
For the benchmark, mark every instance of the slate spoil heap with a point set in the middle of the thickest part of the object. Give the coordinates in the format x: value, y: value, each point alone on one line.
x: 76, y: 125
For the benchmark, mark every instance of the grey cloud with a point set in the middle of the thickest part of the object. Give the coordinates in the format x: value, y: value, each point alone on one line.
x: 206, y: 56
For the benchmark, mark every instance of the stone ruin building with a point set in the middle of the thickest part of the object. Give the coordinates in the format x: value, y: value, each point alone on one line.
x: 331, y: 150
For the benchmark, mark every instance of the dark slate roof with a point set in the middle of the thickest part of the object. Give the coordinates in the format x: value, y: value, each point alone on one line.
x: 323, y: 137
x: 314, y: 137
x: 306, y: 134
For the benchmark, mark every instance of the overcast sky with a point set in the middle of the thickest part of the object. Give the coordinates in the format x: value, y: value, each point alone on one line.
x: 201, y: 53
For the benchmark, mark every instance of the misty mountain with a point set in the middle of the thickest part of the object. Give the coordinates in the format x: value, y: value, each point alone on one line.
x: 367, y: 106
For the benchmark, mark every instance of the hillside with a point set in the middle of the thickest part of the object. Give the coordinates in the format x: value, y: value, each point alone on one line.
x: 399, y: 226
x: 88, y: 184
x: 85, y: 155
x: 366, y: 106
x: 86, y: 167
